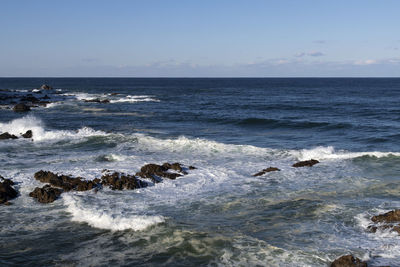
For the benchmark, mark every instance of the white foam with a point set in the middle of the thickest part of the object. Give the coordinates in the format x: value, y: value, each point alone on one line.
x: 20, y: 126
x: 114, y: 220
x: 329, y: 152
x: 135, y: 98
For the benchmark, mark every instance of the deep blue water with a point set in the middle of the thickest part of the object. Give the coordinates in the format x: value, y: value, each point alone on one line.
x: 229, y: 128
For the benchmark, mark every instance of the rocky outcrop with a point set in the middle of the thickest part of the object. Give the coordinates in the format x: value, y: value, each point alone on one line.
x: 157, y: 172
x: 46, y: 87
x: 387, y: 221
x: 65, y: 182
x: 119, y: 181
x: 348, y: 261
x: 6, y: 135
x: 270, y: 169
x: 46, y: 194
x: 306, y: 163
x: 28, y: 134
x: 97, y: 100
x: 21, y: 107
x: 7, y: 192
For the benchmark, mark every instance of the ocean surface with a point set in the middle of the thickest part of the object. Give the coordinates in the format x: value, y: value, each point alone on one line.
x: 218, y: 214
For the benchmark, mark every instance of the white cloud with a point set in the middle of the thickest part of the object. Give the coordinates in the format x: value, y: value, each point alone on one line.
x: 310, y: 54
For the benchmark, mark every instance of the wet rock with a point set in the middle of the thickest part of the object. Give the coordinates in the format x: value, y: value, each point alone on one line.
x: 46, y: 194
x: 29, y: 98
x: 65, y: 182
x: 388, y: 217
x: 155, y: 172
x: 6, y: 135
x: 97, y: 100
x: 348, y: 261
x: 21, y: 108
x: 114, y: 94
x: 28, y: 134
x: 46, y: 97
x: 306, y: 163
x: 270, y: 169
x: 119, y: 181
x: 7, y: 192
x: 46, y: 87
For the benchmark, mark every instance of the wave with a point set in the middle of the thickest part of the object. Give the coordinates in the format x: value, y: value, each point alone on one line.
x: 113, y: 99
x: 21, y: 125
x: 108, y: 219
x: 135, y: 98
x: 329, y: 153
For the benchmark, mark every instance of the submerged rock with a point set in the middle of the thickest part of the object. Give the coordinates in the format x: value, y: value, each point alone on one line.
x: 97, y: 100
x: 28, y: 134
x: 46, y: 87
x: 119, y: 181
x: 46, y: 194
x: 7, y: 192
x: 270, y: 169
x: 6, y: 135
x: 348, y: 261
x: 21, y: 107
x: 305, y: 163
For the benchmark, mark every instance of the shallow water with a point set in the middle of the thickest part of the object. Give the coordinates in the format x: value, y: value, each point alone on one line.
x: 219, y: 214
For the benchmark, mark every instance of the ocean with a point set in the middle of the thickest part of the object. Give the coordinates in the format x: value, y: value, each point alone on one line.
x: 219, y: 214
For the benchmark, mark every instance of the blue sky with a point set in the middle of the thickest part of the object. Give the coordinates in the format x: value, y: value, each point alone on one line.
x: 201, y: 38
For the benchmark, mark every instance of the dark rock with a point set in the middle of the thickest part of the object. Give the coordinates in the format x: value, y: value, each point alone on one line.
x: 119, y: 181
x: 65, y: 182
x: 6, y: 135
x: 306, y: 163
x: 7, y: 192
x: 46, y: 194
x: 46, y: 97
x: 155, y: 172
x: 21, y: 107
x: 270, y: 169
x: 192, y: 168
x: 114, y: 94
x: 46, y: 87
x: 97, y: 100
x: 388, y: 217
x: 28, y: 134
x: 29, y: 98
x: 348, y: 261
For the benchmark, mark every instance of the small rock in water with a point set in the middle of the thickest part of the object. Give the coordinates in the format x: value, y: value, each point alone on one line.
x: 46, y: 87
x: 348, y: 261
x: 21, y: 107
x: 28, y: 134
x: 119, y: 181
x: 388, y: 217
x: 7, y: 192
x: 155, y: 171
x: 6, y: 135
x: 270, y: 169
x: 306, y: 163
x: 97, y: 100
x: 46, y: 194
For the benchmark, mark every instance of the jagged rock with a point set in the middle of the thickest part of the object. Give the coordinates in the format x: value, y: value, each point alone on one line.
x: 28, y: 134
x: 155, y: 171
x: 46, y: 194
x: 270, y: 169
x: 6, y: 135
x: 97, y: 100
x: 388, y: 217
x: 348, y: 261
x: 306, y: 163
x: 119, y: 181
x: 46, y: 87
x: 21, y: 107
x: 63, y: 181
x: 7, y: 192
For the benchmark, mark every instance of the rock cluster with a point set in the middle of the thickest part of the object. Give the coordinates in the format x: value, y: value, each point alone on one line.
x: 21, y: 107
x: 46, y: 87
x: 306, y: 163
x: 7, y: 192
x: 389, y: 220
x: 57, y: 184
x: 7, y: 135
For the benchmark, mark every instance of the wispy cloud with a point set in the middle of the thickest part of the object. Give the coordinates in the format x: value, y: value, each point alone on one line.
x: 310, y: 54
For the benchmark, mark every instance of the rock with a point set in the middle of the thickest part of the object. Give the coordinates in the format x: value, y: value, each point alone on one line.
x: 29, y: 98
x: 306, y: 163
x: 348, y: 261
x: 97, y: 100
x: 114, y: 93
x: 46, y: 194
x: 155, y: 172
x: 7, y: 192
x: 28, y: 134
x: 21, y: 107
x: 46, y: 87
x: 46, y: 97
x: 270, y: 169
x: 119, y: 181
x: 388, y: 217
x: 6, y: 135
x: 65, y: 182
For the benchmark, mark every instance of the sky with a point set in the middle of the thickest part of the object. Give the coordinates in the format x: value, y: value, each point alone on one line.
x: 203, y: 38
